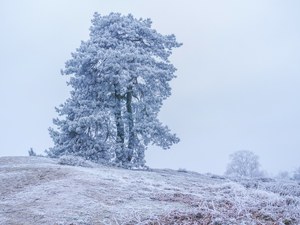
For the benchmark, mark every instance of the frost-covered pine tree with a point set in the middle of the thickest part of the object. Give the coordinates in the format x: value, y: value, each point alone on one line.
x: 119, y: 78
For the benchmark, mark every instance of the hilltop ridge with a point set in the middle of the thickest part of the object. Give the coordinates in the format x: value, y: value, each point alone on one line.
x: 38, y: 190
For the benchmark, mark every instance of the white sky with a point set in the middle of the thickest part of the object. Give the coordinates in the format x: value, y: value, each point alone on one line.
x: 237, y: 87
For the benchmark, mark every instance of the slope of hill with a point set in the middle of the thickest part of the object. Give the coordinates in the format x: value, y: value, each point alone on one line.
x: 36, y: 190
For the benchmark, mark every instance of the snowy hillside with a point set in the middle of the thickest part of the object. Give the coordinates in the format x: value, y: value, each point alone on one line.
x: 38, y: 191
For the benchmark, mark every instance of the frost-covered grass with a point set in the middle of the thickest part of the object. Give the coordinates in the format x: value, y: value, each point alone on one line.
x: 75, y: 161
x: 40, y: 191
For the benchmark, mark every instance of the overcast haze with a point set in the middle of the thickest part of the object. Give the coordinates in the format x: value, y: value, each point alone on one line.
x: 237, y: 87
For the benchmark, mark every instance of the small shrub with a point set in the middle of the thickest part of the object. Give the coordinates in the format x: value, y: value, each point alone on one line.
x: 74, y: 161
x: 31, y: 152
x: 182, y: 170
x: 297, y: 174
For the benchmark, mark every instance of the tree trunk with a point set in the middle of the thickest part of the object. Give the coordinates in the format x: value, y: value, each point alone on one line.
x: 119, y: 125
x: 131, y: 138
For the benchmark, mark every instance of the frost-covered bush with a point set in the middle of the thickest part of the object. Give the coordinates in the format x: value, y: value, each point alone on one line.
x: 119, y: 78
x: 182, y: 170
x: 244, y: 164
x: 283, y: 175
x: 74, y: 161
x: 296, y: 175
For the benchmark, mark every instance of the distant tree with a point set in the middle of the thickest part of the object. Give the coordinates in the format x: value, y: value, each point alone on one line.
x: 119, y: 79
x: 243, y: 164
x: 296, y: 174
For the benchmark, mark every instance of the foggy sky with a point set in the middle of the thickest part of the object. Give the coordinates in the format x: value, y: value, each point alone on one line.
x: 237, y: 87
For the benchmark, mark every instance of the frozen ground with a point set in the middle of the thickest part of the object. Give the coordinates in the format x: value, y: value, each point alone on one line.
x: 36, y: 190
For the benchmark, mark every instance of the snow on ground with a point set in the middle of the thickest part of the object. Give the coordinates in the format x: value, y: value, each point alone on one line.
x: 37, y: 190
